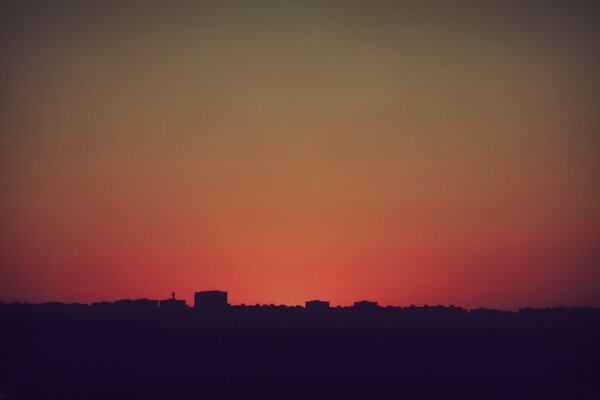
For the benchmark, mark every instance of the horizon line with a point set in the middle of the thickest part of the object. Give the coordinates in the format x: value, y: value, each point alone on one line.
x: 304, y: 306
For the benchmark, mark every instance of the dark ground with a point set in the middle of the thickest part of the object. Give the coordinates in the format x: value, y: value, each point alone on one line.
x: 293, y: 353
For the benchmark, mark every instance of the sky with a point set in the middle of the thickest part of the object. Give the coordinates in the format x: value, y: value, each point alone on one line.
x: 414, y: 152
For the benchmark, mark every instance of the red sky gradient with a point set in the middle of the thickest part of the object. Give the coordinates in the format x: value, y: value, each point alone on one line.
x: 404, y: 153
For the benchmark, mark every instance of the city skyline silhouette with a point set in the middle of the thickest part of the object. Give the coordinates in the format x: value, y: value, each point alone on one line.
x: 143, y: 348
x: 320, y: 303
x: 292, y: 200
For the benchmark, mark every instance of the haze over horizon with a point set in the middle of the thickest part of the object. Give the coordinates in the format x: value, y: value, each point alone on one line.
x: 400, y: 152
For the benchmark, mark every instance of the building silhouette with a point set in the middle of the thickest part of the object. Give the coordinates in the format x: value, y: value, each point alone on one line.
x: 210, y: 300
x: 135, y: 307
x: 365, y: 305
x: 172, y: 304
x: 317, y: 305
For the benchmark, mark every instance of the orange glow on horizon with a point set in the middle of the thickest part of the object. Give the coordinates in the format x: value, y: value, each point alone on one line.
x: 286, y: 153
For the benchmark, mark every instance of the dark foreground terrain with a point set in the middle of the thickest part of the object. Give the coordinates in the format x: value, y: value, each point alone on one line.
x: 58, y: 351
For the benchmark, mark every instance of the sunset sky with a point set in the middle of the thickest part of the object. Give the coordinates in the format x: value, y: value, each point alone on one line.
x: 404, y: 152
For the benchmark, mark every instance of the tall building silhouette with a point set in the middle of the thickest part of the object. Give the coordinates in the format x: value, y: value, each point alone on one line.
x: 210, y: 300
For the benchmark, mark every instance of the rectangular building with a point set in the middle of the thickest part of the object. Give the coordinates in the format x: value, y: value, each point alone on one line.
x: 210, y: 300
